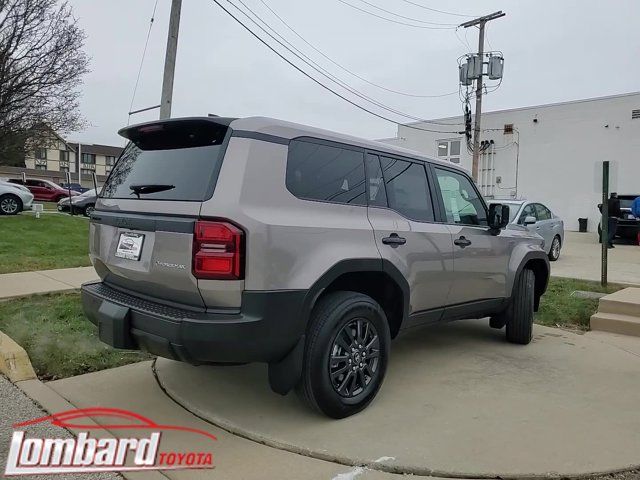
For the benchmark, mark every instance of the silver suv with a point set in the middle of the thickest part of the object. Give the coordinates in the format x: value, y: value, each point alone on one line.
x: 226, y: 241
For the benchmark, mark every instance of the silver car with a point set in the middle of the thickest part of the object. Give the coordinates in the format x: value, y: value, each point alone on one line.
x: 538, y: 218
x: 14, y: 198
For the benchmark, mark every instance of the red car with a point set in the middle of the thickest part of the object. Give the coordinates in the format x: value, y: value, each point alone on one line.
x: 44, y: 190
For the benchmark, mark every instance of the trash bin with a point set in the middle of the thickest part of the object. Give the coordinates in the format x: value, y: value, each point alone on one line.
x: 582, y: 222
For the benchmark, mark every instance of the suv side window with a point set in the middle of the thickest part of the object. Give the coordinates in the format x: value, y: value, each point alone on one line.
x: 528, y: 211
x: 377, y: 194
x: 328, y: 173
x: 407, y: 189
x: 462, y: 204
x: 543, y: 212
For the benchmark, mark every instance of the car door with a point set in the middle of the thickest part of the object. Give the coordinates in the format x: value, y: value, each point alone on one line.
x: 480, y: 258
x: 548, y: 226
x: 37, y: 188
x: 401, y: 212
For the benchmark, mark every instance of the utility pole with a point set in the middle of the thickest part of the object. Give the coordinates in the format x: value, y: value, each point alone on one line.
x: 480, y: 22
x: 170, y: 60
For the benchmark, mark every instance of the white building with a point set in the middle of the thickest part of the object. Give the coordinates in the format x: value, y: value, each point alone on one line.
x: 551, y: 153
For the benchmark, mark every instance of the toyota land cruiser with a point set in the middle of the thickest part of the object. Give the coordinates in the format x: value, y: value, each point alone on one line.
x: 221, y: 240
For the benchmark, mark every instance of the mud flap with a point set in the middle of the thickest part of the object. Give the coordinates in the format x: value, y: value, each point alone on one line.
x: 285, y: 374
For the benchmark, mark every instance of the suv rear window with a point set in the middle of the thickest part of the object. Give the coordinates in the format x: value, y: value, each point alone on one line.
x: 184, y: 157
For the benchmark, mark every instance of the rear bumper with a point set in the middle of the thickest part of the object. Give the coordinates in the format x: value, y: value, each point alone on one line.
x: 266, y: 329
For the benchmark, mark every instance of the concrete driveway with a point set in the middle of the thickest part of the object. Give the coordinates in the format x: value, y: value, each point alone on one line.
x: 580, y: 258
x: 457, y: 401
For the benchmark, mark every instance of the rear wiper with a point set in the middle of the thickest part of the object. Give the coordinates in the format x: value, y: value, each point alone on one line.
x: 150, y: 188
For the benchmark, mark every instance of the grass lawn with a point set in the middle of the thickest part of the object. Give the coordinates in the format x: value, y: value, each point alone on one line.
x: 559, y: 308
x: 60, y: 341
x: 51, y: 241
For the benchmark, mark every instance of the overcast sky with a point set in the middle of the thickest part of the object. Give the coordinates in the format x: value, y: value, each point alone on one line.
x: 554, y: 51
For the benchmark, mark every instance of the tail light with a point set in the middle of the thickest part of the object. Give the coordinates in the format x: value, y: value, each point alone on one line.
x: 218, y: 251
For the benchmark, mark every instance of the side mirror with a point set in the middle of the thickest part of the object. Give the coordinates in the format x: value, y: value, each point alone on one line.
x: 529, y: 220
x: 498, y: 216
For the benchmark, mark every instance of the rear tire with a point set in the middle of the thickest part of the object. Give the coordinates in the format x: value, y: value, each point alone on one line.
x: 346, y: 354
x: 10, y: 204
x: 554, y: 251
x: 520, y: 312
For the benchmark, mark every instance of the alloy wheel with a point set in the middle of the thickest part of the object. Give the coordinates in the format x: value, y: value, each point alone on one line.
x: 555, y: 248
x: 9, y: 206
x: 354, y: 361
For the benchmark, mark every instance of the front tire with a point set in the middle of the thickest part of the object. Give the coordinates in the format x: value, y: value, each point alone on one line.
x: 520, y: 312
x: 88, y: 210
x: 346, y: 354
x: 554, y: 251
x: 10, y: 204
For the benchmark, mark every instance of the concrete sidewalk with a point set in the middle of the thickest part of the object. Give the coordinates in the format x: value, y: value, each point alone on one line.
x: 580, y: 258
x: 46, y: 281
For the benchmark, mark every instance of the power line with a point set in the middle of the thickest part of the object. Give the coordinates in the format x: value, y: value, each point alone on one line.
x: 345, y: 68
x: 407, y: 18
x: 437, y: 11
x: 306, y: 74
x: 144, y: 53
x: 392, y: 20
x: 318, y: 68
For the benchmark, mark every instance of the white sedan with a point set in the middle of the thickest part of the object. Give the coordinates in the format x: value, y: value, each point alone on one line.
x: 14, y: 198
x: 539, y: 219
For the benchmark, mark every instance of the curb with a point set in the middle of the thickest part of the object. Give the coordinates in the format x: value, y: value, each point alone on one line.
x: 14, y: 361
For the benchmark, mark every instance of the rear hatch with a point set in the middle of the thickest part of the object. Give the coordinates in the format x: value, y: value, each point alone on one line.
x: 141, y: 236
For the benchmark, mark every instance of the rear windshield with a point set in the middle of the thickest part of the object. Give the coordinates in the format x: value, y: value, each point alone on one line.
x: 182, y: 158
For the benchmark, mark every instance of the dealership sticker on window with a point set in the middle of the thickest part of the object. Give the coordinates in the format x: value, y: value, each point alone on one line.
x: 130, y: 245
x: 137, y: 447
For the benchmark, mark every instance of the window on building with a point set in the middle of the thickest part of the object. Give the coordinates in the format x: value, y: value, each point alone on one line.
x: 64, y: 156
x: 635, y: 114
x: 316, y: 171
x: 86, y: 171
x: 64, y: 169
x: 462, y: 204
x: 449, y: 150
x: 407, y: 189
x: 41, y: 167
x: 89, y: 158
x: 110, y: 160
x: 508, y: 128
x: 41, y: 153
x: 107, y: 170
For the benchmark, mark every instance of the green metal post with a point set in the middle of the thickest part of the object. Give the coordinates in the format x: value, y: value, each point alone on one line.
x: 605, y: 222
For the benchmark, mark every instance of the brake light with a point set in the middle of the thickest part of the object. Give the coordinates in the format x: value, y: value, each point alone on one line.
x: 218, y: 251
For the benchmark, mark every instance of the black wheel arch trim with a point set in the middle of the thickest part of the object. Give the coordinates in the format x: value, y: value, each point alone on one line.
x: 354, y: 266
x: 541, y: 281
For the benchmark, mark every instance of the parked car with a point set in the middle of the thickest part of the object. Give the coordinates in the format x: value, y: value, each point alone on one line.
x: 628, y: 224
x: 75, y: 187
x: 83, y: 203
x: 538, y: 218
x: 14, y: 198
x: 221, y: 240
x: 44, y: 190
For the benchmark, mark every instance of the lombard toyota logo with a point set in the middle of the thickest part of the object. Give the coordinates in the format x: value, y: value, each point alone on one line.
x: 101, y: 452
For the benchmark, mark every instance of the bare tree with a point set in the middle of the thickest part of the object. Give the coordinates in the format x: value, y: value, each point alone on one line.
x: 41, y: 67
